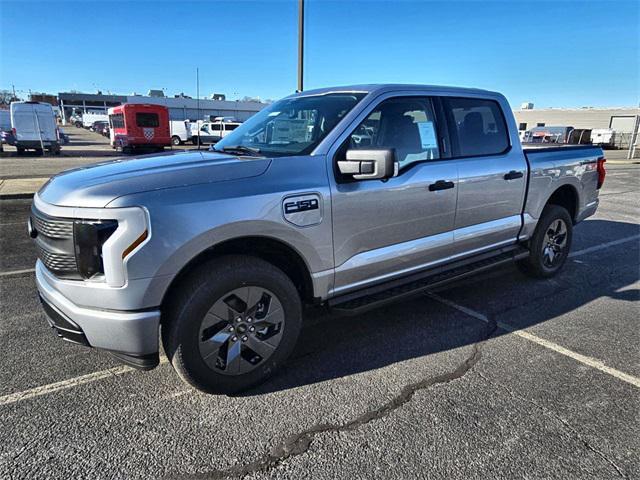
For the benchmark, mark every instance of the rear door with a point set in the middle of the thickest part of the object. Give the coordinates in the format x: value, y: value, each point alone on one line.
x: 24, y: 121
x: 389, y: 228
x: 492, y: 174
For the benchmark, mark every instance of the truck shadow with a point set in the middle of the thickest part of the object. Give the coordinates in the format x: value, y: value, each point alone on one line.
x: 333, y: 346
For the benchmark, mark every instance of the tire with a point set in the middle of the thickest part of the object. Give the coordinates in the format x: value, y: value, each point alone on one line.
x: 231, y: 351
x: 194, y: 140
x: 175, y: 140
x: 555, y: 227
x: 20, y: 150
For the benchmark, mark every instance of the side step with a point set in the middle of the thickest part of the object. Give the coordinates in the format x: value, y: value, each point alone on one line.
x: 373, y: 297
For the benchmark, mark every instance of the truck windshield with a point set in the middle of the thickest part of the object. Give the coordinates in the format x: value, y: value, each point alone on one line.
x: 291, y: 126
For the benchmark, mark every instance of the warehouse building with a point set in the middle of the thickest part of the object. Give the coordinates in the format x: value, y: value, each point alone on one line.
x: 623, y: 120
x: 180, y: 107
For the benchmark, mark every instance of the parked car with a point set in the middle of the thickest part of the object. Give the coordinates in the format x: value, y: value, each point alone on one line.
x: 99, y: 126
x: 34, y: 127
x: 5, y: 127
x: 139, y: 127
x: 220, y: 250
x: 8, y: 137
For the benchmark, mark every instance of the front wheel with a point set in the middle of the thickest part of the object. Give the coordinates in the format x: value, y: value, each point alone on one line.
x: 232, y: 324
x: 550, y: 243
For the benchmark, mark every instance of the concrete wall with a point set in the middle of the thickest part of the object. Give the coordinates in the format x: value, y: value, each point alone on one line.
x: 577, y: 118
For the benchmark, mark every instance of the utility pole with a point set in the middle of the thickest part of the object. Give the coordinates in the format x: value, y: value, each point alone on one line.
x: 300, y: 44
x: 198, y: 103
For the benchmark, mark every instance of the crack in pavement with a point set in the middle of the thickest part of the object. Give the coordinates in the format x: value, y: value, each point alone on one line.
x: 299, y: 443
x: 566, y: 424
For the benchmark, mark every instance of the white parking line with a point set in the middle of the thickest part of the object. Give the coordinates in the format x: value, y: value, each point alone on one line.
x: 602, y: 246
x: 17, y: 272
x: 589, y: 361
x: 66, y: 384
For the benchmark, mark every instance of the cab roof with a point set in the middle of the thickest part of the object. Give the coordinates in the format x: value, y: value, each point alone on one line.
x: 390, y: 87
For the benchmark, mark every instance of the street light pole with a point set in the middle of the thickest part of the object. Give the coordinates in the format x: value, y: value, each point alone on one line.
x: 300, y: 44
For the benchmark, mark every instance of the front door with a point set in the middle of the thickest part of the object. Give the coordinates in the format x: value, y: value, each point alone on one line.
x: 389, y: 228
x: 492, y: 175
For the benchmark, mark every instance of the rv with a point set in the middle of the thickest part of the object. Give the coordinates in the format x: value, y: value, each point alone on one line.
x: 34, y: 127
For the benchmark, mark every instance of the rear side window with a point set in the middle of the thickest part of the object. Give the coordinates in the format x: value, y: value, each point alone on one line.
x: 149, y: 120
x: 477, y: 126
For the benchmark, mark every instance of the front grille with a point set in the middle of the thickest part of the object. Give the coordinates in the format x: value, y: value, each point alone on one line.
x: 54, y: 243
x: 57, y: 262
x: 53, y: 228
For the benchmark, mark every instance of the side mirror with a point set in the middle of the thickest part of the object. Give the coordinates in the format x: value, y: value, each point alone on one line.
x: 370, y: 164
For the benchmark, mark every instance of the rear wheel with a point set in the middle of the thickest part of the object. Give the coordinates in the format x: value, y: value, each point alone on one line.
x: 550, y: 243
x: 175, y: 140
x: 232, y: 324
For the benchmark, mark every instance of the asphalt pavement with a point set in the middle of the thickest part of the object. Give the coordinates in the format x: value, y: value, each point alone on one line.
x: 500, y: 376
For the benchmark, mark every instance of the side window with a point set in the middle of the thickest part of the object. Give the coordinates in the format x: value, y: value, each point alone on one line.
x: 477, y: 126
x: 404, y: 123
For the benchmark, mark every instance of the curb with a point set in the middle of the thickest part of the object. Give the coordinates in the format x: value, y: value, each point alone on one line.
x: 16, y: 196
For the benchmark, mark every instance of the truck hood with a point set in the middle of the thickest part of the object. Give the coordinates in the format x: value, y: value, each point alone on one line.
x: 99, y: 184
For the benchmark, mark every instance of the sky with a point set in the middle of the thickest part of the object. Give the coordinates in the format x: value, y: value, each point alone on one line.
x: 552, y: 53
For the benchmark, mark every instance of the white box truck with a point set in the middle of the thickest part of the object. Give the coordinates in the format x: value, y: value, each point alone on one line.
x: 34, y: 127
x: 89, y: 118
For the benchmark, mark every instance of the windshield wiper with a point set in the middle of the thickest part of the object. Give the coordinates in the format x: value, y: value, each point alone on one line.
x: 239, y: 149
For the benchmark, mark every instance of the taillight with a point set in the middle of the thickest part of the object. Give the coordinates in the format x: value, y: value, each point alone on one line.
x: 14, y: 132
x: 601, y: 171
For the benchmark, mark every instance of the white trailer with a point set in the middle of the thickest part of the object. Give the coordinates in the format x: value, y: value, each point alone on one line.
x: 605, y: 137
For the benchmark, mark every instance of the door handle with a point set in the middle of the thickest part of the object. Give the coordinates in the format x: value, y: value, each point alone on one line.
x: 441, y: 185
x: 513, y: 174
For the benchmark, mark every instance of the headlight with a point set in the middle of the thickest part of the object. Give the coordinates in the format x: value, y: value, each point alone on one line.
x: 89, y: 236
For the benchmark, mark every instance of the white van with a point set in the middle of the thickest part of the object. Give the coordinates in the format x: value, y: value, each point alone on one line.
x: 34, y: 127
x: 180, y: 131
x: 211, y: 132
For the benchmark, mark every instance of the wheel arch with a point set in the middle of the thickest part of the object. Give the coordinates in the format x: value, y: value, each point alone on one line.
x: 566, y: 196
x: 278, y: 253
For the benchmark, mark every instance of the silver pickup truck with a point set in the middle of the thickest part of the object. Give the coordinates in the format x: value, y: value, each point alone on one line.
x: 349, y: 197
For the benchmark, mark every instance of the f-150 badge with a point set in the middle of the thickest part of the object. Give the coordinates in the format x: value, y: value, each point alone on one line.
x: 303, y: 210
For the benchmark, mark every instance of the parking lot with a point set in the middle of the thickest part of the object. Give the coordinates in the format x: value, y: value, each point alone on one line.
x: 501, y: 376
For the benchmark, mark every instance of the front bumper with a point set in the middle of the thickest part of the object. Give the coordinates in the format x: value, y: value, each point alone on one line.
x: 130, y: 335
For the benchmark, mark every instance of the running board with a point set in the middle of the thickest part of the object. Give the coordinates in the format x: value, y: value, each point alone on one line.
x: 373, y: 297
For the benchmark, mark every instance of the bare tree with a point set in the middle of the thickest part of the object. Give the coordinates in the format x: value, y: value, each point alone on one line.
x: 6, y: 97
